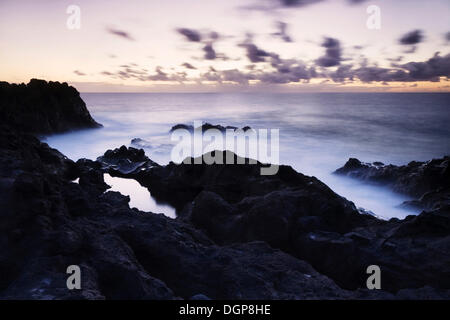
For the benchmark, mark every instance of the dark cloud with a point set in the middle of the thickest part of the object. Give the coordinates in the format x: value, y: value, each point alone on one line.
x: 269, y: 68
x: 159, y: 76
x: 296, y: 73
x: 377, y: 74
x: 141, y: 74
x: 120, y: 33
x: 79, y: 73
x: 282, y: 31
x: 214, y: 35
x: 190, y: 34
x: 447, y: 36
x: 254, y: 54
x: 332, y: 55
x: 210, y: 53
x: 356, y: 1
x: 271, y: 5
x: 236, y: 76
x: 188, y: 66
x: 430, y: 70
x: 343, y: 73
x: 291, y: 71
x: 296, y: 3
x: 411, y: 38
x: 208, y: 38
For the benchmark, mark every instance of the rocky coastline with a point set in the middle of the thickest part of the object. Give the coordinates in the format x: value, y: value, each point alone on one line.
x: 238, y: 235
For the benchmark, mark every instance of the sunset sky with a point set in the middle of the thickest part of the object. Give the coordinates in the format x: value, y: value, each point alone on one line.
x: 232, y: 45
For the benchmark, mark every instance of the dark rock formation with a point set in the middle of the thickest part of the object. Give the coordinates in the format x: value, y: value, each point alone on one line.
x: 47, y: 223
x: 125, y: 161
x: 43, y: 107
x: 428, y: 182
x: 303, y: 217
x: 207, y: 126
x: 239, y: 234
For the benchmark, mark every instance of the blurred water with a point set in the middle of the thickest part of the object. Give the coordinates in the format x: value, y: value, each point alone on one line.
x: 318, y: 131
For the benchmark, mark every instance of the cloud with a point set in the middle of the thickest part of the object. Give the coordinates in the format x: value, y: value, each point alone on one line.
x: 188, y: 66
x: 297, y: 3
x: 332, y: 55
x: 214, y: 35
x: 269, y: 68
x: 210, y: 53
x: 79, y: 73
x: 282, y: 31
x: 411, y: 38
x: 270, y: 5
x: 208, y: 38
x: 253, y: 53
x: 120, y: 33
x: 190, y: 34
x: 343, y: 73
x: 447, y: 36
x: 134, y: 72
x: 159, y: 76
x: 430, y: 70
x: 356, y: 1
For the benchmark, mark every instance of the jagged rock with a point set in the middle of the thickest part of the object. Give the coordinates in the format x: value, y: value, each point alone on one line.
x: 207, y: 126
x: 43, y: 107
x: 51, y: 223
x: 303, y: 217
x: 428, y: 182
x: 125, y: 161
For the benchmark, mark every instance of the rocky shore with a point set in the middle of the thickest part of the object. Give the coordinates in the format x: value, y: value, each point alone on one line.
x: 427, y: 182
x: 43, y: 107
x: 238, y: 235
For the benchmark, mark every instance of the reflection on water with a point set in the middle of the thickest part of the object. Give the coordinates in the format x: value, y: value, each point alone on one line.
x: 318, y: 132
x: 140, y: 197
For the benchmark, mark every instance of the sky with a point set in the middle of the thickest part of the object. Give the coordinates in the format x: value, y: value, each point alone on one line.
x: 232, y: 45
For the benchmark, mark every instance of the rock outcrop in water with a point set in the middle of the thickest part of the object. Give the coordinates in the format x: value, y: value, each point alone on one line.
x: 43, y: 107
x: 207, y: 126
x: 428, y: 182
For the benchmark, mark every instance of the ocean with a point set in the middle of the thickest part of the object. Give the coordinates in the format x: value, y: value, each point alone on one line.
x: 318, y: 132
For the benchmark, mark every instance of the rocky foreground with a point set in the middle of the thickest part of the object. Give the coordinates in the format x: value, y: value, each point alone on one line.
x: 239, y: 235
